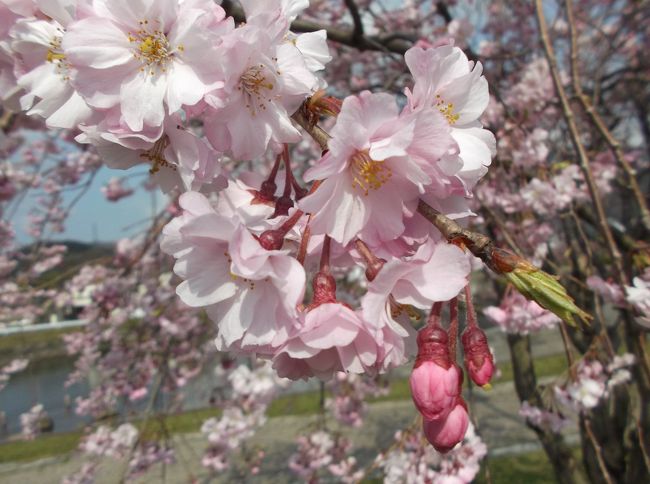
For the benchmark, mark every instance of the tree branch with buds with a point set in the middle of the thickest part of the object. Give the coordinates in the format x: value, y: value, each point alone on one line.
x: 529, y: 280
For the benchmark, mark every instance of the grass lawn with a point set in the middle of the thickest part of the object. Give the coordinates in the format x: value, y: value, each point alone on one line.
x: 45, y: 344
x: 529, y: 468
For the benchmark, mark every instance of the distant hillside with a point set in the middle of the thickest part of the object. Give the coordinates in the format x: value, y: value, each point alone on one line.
x: 77, y: 255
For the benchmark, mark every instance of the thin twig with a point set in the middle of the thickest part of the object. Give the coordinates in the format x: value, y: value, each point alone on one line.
x: 599, y: 451
x: 597, y: 120
x: 579, y: 147
x: 383, y: 43
x: 357, y: 33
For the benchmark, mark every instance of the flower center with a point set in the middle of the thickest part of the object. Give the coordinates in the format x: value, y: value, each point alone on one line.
x: 56, y: 56
x: 156, y: 156
x: 152, y: 48
x: 368, y: 174
x: 255, y: 87
x: 235, y: 277
x: 397, y: 309
x: 447, y: 110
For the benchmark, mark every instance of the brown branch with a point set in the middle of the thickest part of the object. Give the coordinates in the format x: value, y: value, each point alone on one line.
x: 579, y: 147
x: 597, y: 120
x: 382, y: 43
x: 357, y: 33
x: 6, y: 120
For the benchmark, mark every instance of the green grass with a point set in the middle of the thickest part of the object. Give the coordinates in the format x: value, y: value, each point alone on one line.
x: 44, y: 446
x: 35, y: 345
x: 546, y: 366
x: 529, y: 468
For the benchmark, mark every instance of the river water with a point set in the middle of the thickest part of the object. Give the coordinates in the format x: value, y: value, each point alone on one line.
x: 44, y: 382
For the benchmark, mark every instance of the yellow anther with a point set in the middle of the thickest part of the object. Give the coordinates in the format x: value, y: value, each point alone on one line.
x: 368, y: 174
x: 447, y: 110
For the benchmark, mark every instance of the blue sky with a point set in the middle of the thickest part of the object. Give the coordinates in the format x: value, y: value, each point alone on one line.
x: 94, y: 216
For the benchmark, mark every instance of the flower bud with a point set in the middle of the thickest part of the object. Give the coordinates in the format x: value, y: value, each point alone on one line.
x: 272, y: 239
x: 324, y: 287
x: 536, y: 285
x: 478, y: 358
x: 446, y: 432
x: 435, y: 382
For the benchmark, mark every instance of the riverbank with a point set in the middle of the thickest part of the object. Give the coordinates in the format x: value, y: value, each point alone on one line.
x: 496, y: 412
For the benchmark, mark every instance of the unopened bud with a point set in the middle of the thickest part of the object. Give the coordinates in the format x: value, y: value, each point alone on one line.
x: 537, y: 285
x: 435, y: 382
x: 272, y: 239
x: 479, y: 362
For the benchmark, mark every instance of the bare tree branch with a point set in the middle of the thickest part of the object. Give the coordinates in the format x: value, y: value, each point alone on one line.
x: 392, y: 43
x: 357, y: 33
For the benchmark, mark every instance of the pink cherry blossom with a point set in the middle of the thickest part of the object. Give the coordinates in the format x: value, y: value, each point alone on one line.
x: 329, y: 338
x: 250, y: 292
x: 115, y: 190
x: 445, y: 79
x: 436, y: 272
x: 45, y: 73
x: 264, y: 84
x: 178, y: 158
x: 146, y: 57
x: 377, y: 165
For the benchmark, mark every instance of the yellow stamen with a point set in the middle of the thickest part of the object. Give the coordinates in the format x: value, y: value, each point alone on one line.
x: 447, y: 110
x: 152, y: 48
x: 156, y: 156
x: 368, y: 174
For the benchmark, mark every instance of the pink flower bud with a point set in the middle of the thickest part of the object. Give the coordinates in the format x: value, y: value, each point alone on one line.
x: 446, y: 432
x: 478, y: 358
x: 272, y: 239
x: 324, y: 287
x: 435, y: 382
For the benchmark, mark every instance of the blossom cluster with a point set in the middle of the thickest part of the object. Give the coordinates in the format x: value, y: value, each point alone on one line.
x: 322, y: 450
x: 412, y: 462
x: 15, y: 366
x: 133, y: 80
x: 540, y: 417
x: 349, y: 392
x: 34, y: 421
x: 594, y: 382
x: 251, y: 391
x: 516, y: 314
x: 178, y: 86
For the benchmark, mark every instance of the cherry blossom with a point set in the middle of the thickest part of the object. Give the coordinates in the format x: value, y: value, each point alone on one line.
x: 146, y: 57
x: 226, y: 270
x: 45, y: 72
x: 376, y: 167
x: 446, y: 80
